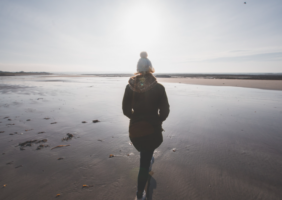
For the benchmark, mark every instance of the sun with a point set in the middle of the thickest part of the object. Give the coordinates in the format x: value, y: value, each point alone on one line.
x: 142, y: 27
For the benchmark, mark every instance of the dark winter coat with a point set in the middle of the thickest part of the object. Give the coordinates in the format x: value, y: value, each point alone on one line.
x: 145, y: 103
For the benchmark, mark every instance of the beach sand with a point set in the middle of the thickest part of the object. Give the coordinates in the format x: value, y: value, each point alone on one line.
x: 260, y: 84
x: 227, y: 141
x: 247, y: 83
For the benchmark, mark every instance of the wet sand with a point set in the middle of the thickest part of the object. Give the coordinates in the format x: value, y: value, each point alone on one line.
x: 227, y: 141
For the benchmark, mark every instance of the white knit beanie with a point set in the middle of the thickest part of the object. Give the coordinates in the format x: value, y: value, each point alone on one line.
x: 144, y: 64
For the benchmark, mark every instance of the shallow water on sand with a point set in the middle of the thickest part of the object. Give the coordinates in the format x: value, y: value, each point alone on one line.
x: 227, y: 141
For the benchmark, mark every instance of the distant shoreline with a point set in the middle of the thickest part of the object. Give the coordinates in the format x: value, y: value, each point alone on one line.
x: 23, y: 73
x: 273, y: 76
x: 239, y: 76
x: 258, y: 81
x: 249, y: 83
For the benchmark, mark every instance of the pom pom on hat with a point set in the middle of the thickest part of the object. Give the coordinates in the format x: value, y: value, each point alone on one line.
x: 143, y: 54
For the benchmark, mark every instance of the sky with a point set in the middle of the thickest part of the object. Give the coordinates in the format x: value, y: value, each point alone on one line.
x: 107, y: 36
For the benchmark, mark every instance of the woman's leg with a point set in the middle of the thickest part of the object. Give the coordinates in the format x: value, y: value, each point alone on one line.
x: 145, y: 159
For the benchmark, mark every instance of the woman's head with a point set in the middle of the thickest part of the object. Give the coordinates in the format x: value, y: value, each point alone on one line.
x: 144, y: 65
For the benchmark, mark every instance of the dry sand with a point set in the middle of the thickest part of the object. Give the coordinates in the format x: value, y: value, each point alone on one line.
x: 260, y: 84
x: 227, y: 141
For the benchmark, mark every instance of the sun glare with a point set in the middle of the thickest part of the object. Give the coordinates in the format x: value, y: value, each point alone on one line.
x: 142, y: 27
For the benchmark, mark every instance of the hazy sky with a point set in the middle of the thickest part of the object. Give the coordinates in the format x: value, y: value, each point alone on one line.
x: 108, y: 35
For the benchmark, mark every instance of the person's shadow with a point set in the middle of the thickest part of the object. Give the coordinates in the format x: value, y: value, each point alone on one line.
x: 152, y: 184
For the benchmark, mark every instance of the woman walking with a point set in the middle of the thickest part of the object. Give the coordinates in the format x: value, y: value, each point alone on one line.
x: 145, y: 103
